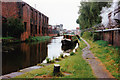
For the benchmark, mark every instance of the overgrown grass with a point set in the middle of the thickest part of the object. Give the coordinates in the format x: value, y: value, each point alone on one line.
x: 38, y: 38
x: 109, y: 55
x: 75, y: 65
x: 88, y: 35
x: 6, y: 37
x: 102, y: 43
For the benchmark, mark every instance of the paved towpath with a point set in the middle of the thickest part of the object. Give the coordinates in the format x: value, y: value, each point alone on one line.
x: 98, y: 68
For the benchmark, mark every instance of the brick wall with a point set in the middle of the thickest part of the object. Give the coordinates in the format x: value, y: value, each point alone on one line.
x: 9, y: 9
x: 113, y: 37
x: 35, y: 23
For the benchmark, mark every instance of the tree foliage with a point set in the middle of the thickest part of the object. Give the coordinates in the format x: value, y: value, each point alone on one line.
x: 13, y: 27
x: 89, y: 14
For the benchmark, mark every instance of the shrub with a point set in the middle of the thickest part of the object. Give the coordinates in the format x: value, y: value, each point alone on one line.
x: 14, y: 27
x: 4, y: 29
x: 48, y: 60
x: 58, y: 59
x: 96, y: 36
x: 87, y: 35
x: 61, y: 55
x: 52, y: 61
x: 72, y: 53
x: 66, y: 56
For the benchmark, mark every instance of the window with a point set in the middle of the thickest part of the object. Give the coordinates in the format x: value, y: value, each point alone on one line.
x: 36, y: 29
x: 39, y: 29
x: 31, y: 15
x: 31, y: 27
x: 36, y: 16
x: 25, y: 26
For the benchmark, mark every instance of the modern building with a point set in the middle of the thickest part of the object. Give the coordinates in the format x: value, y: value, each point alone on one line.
x: 35, y: 23
x: 55, y: 29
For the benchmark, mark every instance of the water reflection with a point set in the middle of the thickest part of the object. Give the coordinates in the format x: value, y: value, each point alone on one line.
x: 19, y: 56
x: 54, y: 48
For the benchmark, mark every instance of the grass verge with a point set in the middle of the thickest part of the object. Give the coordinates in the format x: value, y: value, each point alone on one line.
x: 38, y: 38
x: 109, y: 55
x: 6, y: 37
x: 75, y: 65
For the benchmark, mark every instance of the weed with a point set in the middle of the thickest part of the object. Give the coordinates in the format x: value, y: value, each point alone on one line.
x: 72, y: 53
x: 66, y: 56
x: 57, y: 59
x: 101, y: 43
x: 40, y: 65
x: 48, y: 60
x: 52, y: 61
x: 61, y: 55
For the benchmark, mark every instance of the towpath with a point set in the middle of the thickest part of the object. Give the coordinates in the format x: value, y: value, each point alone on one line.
x: 98, y: 68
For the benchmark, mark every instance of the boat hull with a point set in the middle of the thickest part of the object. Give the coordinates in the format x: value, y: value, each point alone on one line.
x: 66, y: 42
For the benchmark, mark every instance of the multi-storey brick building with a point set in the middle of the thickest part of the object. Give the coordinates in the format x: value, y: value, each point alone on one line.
x: 35, y: 23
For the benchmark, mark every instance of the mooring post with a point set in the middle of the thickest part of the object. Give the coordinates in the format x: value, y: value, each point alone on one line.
x: 56, y: 68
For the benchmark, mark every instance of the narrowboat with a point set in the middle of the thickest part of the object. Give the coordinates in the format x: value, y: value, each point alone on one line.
x: 67, y: 39
x: 68, y: 42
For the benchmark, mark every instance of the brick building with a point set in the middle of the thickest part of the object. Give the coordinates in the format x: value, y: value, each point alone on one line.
x: 35, y: 23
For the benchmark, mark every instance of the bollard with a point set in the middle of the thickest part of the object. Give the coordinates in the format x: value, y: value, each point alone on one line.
x: 56, y: 68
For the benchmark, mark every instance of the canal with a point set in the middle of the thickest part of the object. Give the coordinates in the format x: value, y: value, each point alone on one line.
x: 23, y: 55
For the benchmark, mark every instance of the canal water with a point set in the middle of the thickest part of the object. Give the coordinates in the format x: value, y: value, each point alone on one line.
x: 23, y: 55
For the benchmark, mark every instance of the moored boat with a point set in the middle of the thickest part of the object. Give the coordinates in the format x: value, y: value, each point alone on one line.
x: 67, y: 39
x: 68, y: 42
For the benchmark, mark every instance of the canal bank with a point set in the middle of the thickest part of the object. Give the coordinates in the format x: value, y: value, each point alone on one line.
x: 16, y: 56
x: 75, y: 65
x: 54, y: 43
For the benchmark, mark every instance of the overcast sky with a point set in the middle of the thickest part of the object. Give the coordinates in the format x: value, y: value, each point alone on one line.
x: 59, y: 11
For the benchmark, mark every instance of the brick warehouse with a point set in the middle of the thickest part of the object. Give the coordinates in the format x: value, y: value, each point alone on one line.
x: 35, y: 23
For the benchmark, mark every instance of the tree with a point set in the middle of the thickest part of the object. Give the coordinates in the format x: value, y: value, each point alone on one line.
x: 13, y: 27
x: 89, y: 14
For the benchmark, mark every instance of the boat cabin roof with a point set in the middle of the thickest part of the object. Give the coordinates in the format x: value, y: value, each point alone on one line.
x: 68, y: 36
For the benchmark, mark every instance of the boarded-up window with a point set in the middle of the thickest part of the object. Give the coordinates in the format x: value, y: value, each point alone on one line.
x: 36, y: 29
x: 39, y: 29
x: 25, y: 26
x: 31, y: 27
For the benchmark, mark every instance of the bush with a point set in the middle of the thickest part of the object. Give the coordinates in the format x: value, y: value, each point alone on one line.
x: 4, y: 29
x: 87, y: 35
x: 48, y: 60
x: 61, y: 55
x: 13, y: 27
x: 96, y: 36
x: 72, y: 53
x: 66, y: 56
x: 58, y: 59
x: 52, y: 61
